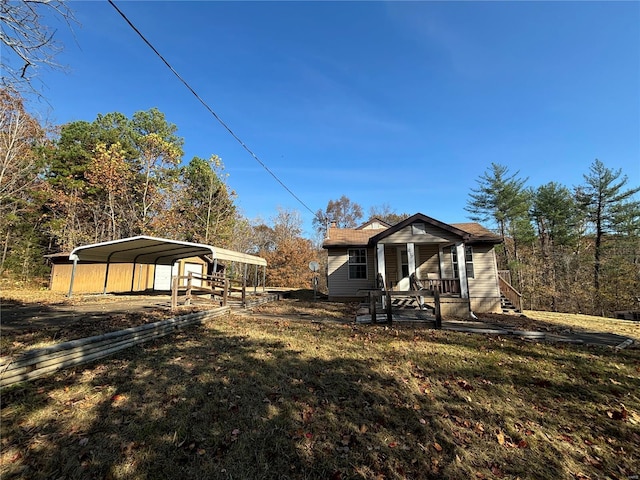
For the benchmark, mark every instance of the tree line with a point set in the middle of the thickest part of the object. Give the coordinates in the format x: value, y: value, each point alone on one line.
x: 115, y: 177
x: 573, y: 249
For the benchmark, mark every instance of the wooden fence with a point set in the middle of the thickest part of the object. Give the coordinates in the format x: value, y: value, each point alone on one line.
x: 212, y: 285
x: 42, y: 361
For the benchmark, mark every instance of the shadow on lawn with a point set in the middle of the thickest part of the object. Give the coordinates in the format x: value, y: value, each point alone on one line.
x: 205, y: 404
x: 218, y: 407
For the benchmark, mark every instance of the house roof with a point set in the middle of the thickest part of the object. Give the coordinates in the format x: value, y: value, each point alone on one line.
x: 349, y: 237
x: 418, y: 217
x: 158, y: 251
x: 373, y: 221
x: 471, y: 232
x: 478, y: 232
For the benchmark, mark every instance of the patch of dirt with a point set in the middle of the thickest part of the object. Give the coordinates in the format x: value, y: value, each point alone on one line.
x: 28, y: 325
x: 521, y: 322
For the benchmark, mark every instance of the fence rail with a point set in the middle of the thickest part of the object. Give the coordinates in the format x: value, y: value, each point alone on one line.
x: 42, y: 361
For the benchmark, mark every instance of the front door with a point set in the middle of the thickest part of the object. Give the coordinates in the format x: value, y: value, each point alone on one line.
x: 403, y: 269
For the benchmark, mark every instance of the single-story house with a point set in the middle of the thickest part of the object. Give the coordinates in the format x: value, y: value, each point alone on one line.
x: 457, y: 259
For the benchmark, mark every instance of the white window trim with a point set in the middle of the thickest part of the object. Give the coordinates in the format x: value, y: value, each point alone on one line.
x: 466, y: 262
x: 365, y: 263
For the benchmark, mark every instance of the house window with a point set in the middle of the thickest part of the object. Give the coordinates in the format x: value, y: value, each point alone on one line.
x: 468, y: 261
x: 357, y: 263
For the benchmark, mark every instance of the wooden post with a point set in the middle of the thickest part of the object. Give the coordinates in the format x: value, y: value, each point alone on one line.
x: 388, y: 308
x: 174, y: 292
x: 225, y: 291
x: 187, y: 300
x: 436, y: 297
x: 372, y: 306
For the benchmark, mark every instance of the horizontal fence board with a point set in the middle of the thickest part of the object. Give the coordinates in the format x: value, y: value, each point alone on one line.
x: 39, y: 362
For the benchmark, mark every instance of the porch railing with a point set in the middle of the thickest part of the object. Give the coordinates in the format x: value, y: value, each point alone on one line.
x: 505, y: 275
x: 444, y: 286
x: 510, y: 293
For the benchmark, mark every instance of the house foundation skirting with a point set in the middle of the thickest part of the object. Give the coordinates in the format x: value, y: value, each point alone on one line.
x: 485, y: 305
x: 451, y: 307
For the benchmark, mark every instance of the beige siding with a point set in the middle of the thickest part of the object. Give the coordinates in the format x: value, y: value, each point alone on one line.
x: 485, y: 281
x: 428, y: 260
x: 391, y: 265
x: 432, y: 235
x: 447, y: 263
x: 338, y: 272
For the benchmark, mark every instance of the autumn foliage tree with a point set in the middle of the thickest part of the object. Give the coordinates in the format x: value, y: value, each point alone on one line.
x: 343, y: 212
x: 21, y: 141
x: 203, y: 208
x: 288, y: 254
x: 289, y: 263
x: 109, y: 174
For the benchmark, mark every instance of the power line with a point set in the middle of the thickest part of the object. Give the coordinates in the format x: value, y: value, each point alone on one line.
x: 215, y: 115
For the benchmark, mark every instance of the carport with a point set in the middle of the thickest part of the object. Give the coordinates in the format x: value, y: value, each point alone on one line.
x: 157, y: 251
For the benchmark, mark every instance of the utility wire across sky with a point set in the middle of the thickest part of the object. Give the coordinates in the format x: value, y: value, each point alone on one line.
x: 211, y: 111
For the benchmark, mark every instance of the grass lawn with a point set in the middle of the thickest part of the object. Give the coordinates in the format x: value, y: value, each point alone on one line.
x: 277, y: 395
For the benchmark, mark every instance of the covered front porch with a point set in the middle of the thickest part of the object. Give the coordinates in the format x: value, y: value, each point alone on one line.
x: 411, y: 266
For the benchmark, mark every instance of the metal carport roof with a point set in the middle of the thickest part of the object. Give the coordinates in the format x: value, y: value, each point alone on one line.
x: 156, y: 251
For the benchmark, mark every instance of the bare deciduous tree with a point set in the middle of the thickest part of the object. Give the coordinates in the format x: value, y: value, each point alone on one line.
x: 28, y: 42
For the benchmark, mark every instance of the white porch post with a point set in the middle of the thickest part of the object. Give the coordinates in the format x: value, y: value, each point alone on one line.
x: 462, y: 270
x: 381, y: 269
x: 441, y: 259
x: 411, y: 258
x: 380, y: 257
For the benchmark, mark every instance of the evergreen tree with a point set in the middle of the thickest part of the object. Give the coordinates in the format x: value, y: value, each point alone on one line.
x: 602, y: 200
x: 503, y: 199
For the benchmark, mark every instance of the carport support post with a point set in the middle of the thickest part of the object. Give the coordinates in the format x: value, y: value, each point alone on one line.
x: 133, y: 276
x: 73, y: 273
x: 264, y: 278
x: 106, y: 278
x: 255, y: 279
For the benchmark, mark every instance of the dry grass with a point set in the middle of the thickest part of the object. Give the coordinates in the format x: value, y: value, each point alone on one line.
x: 264, y: 396
x: 588, y: 323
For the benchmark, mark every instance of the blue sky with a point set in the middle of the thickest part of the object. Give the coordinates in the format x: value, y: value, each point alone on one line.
x: 397, y: 103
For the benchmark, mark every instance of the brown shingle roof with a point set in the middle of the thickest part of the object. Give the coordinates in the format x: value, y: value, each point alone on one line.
x: 478, y: 232
x: 349, y: 237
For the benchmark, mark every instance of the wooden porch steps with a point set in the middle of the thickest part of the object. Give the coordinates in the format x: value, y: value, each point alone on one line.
x: 508, y: 307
